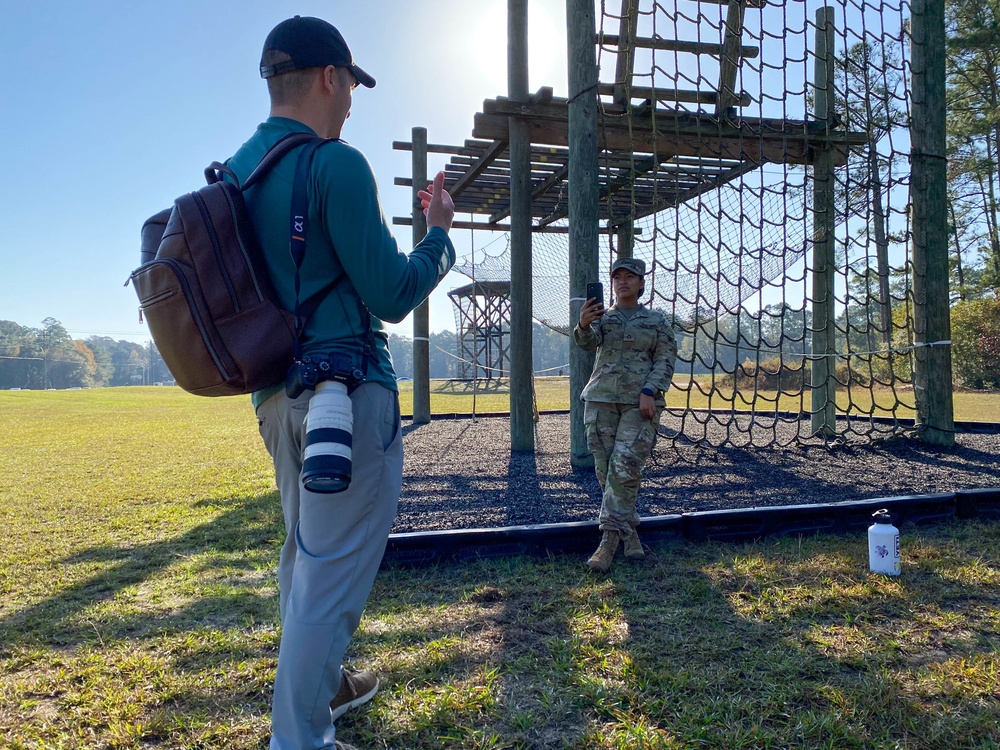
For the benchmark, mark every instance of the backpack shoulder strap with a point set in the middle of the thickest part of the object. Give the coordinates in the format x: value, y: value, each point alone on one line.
x: 216, y: 170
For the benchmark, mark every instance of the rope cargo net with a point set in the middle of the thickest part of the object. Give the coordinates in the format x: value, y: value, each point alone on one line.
x: 765, y: 182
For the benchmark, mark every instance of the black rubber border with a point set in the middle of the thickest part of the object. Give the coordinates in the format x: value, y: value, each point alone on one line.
x: 741, y: 525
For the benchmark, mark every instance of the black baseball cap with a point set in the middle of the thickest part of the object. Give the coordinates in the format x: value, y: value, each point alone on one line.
x: 310, y: 43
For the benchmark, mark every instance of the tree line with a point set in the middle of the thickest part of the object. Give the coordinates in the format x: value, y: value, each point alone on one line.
x: 48, y: 357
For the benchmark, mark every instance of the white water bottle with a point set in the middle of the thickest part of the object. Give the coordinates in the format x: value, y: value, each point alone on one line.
x: 883, y: 545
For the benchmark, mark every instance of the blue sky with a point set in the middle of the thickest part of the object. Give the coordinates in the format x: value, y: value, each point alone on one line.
x: 110, y: 110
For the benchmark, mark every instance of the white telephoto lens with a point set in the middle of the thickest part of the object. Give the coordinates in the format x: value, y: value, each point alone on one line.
x: 326, y: 462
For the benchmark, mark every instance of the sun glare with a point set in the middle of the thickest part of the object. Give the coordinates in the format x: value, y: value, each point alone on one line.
x: 487, y: 46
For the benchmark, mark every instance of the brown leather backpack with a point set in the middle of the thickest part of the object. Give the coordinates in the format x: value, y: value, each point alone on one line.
x: 205, y: 292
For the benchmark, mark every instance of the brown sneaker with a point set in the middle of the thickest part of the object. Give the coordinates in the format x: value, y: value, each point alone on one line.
x: 356, y: 688
x: 600, y: 561
x: 633, y: 547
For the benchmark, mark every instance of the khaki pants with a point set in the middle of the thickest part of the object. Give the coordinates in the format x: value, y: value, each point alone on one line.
x: 621, y: 440
x: 333, y: 548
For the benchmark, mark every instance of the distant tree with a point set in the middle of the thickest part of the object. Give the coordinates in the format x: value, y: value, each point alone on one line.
x: 973, y: 116
x: 14, y: 372
x: 442, y: 355
x: 401, y: 352
x: 101, y: 347
x: 53, y: 336
x: 869, y: 98
x: 549, y: 350
x: 975, y: 334
x: 71, y: 367
x: 968, y: 240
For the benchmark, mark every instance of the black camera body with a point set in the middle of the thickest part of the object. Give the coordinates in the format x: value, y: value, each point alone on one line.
x: 306, y: 372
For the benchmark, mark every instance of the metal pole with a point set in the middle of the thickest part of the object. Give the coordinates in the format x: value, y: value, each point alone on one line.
x: 932, y: 376
x: 421, y: 315
x: 583, y: 202
x: 824, y: 345
x: 522, y: 427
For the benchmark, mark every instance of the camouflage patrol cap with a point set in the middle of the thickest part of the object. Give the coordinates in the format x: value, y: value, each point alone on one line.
x: 636, y: 266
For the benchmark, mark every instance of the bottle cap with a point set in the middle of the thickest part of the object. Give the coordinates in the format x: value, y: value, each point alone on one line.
x: 882, y: 516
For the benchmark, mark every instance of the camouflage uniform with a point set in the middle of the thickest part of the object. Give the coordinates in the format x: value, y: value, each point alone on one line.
x: 632, y: 354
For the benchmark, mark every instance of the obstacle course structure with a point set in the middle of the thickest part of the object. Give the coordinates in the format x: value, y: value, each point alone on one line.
x: 775, y: 165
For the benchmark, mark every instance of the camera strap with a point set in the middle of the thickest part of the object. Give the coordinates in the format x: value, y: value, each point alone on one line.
x: 297, y: 239
x: 297, y: 248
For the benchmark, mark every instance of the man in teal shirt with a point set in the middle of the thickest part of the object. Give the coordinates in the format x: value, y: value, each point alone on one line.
x: 353, y: 277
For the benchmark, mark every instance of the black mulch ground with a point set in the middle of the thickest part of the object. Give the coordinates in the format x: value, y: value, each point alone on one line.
x: 460, y: 473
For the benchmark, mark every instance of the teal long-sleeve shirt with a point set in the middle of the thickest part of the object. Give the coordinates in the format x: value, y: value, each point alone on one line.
x: 348, y: 239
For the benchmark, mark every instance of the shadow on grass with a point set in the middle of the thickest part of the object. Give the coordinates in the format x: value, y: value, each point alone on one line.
x: 464, y: 387
x: 701, y: 645
x: 244, y: 537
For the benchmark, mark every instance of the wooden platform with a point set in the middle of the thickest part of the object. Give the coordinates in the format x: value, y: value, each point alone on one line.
x: 654, y: 158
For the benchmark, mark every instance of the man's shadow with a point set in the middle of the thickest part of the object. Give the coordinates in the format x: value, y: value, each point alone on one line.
x: 249, y: 534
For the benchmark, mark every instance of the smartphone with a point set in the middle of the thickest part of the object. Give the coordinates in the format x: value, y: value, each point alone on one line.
x: 596, y: 291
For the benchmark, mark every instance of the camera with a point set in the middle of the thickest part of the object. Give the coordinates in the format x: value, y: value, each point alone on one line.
x: 329, y: 423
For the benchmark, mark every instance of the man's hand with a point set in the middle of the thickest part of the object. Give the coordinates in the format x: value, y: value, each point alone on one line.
x: 591, y: 311
x: 439, y: 208
x: 647, y: 407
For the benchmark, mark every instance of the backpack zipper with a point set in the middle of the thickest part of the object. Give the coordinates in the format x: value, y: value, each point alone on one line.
x: 174, y: 266
x: 218, y: 251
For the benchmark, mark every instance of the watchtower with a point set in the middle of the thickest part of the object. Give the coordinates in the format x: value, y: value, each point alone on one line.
x: 482, y: 317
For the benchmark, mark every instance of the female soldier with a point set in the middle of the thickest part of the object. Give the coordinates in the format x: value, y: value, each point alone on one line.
x: 636, y: 351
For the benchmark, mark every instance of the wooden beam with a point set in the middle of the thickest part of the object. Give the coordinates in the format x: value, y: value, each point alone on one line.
x: 628, y: 27
x: 476, y: 169
x: 477, y: 225
x: 544, y: 95
x: 694, y: 134
x: 612, y: 186
x: 719, y: 141
x: 537, y: 192
x: 749, y: 3
x: 432, y: 148
x: 706, y: 186
x: 729, y: 61
x: 688, y: 96
x: 675, y: 45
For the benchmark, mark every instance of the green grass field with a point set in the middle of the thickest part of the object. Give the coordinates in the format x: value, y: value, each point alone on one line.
x: 139, y: 610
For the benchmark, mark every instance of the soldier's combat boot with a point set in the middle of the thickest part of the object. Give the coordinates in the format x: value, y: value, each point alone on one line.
x: 633, y: 547
x: 600, y: 561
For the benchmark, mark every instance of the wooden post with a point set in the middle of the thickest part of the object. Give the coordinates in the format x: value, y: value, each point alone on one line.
x: 583, y: 202
x: 626, y: 240
x: 522, y: 425
x: 824, y: 344
x: 932, y: 376
x: 627, y: 31
x: 421, y: 316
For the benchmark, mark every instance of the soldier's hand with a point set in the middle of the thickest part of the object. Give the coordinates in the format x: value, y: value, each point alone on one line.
x: 591, y: 311
x: 647, y: 406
